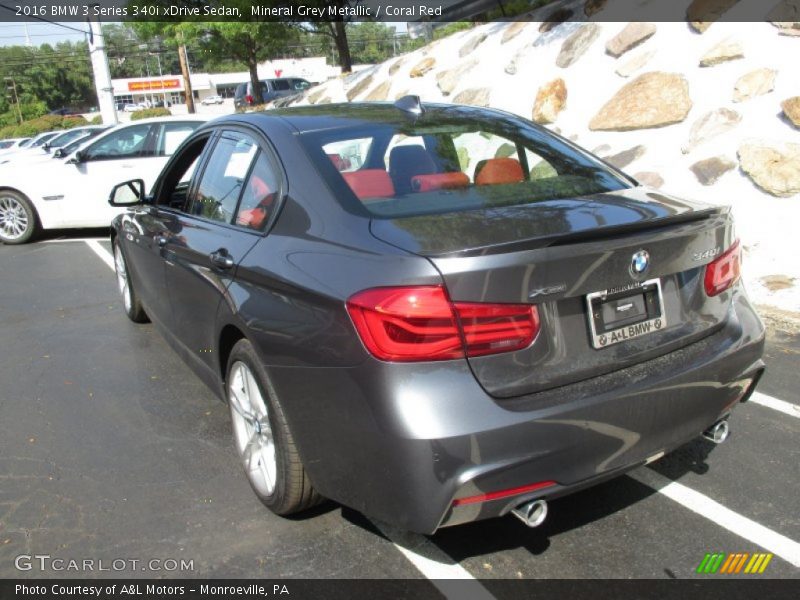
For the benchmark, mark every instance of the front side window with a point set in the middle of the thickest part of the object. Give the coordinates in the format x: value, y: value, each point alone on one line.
x: 300, y: 84
x: 128, y: 142
x: 443, y: 163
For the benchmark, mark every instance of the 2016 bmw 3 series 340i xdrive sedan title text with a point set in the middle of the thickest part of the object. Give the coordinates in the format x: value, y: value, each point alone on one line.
x: 435, y: 314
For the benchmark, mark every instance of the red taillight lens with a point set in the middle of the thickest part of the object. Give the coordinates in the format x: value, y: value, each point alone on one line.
x: 420, y: 323
x: 503, y: 493
x: 248, y: 98
x: 723, y: 272
x: 493, y: 328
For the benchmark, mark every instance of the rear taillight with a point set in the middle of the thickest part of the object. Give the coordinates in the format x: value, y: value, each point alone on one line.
x: 248, y: 98
x: 421, y: 323
x: 724, y: 271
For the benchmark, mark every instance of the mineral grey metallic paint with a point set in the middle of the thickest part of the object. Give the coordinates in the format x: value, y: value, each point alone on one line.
x: 400, y: 441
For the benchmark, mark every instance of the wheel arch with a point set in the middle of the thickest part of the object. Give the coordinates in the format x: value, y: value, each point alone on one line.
x: 228, y: 337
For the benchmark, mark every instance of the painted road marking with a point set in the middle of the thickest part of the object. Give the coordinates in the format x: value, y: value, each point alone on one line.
x: 449, y: 577
x: 65, y: 240
x: 778, y: 544
x: 104, y: 254
x: 787, y: 408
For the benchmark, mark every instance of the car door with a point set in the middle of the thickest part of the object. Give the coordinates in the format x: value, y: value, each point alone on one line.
x: 229, y: 205
x: 148, y: 228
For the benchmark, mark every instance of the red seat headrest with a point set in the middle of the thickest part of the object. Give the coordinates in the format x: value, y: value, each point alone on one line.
x: 499, y: 170
x: 370, y: 183
x: 339, y: 162
x: 438, y: 181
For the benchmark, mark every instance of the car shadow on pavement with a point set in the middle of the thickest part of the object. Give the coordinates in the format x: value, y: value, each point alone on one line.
x: 49, y: 235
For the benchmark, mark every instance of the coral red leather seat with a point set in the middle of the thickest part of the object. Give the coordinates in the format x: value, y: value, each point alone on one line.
x: 370, y: 183
x: 499, y: 170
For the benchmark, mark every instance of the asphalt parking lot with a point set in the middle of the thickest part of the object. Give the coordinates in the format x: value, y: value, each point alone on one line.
x: 110, y: 448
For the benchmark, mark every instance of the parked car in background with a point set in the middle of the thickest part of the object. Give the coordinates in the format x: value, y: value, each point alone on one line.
x: 13, y: 143
x: 72, y: 191
x: 270, y: 90
x: 132, y: 107
x: 36, y: 141
x: 212, y: 100
x: 409, y: 319
x: 31, y: 155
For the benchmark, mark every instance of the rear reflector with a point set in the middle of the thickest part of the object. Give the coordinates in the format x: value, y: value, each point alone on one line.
x: 421, y: 323
x: 503, y: 493
x: 723, y: 272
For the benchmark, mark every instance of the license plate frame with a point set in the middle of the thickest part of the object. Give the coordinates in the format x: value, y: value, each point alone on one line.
x: 654, y: 319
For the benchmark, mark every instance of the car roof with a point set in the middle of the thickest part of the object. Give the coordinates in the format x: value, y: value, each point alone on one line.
x: 349, y: 114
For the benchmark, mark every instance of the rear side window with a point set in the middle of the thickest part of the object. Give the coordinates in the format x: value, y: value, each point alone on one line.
x: 443, y: 163
x: 280, y: 85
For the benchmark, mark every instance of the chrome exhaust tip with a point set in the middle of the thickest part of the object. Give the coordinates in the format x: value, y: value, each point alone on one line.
x: 718, y: 432
x: 532, y: 513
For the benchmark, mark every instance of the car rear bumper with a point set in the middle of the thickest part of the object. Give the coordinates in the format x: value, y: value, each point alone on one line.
x: 401, y: 442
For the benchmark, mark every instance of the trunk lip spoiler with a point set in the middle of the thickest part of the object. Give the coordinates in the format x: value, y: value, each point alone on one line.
x: 578, y: 237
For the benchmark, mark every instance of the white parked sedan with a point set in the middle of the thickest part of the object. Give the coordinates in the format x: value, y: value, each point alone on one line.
x: 72, y: 191
x: 29, y: 155
x: 212, y: 100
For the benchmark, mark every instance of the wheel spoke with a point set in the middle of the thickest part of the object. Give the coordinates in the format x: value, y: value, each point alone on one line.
x: 252, y: 453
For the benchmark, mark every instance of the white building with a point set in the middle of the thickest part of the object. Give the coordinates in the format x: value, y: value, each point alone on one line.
x: 137, y: 90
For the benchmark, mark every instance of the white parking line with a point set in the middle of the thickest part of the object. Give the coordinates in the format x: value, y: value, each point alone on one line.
x: 104, y: 254
x: 778, y: 544
x: 449, y: 577
x: 65, y: 240
x: 787, y: 408
x: 454, y: 581
x: 434, y: 564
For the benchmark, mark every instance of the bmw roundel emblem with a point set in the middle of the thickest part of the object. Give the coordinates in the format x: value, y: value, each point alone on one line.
x: 640, y: 262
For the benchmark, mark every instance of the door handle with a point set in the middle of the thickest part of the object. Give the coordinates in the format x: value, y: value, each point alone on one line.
x: 161, y: 240
x: 221, y: 259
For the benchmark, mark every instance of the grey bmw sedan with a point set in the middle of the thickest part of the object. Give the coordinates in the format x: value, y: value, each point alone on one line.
x: 436, y: 314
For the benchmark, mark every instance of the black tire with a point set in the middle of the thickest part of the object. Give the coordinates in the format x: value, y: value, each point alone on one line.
x: 292, y: 492
x: 14, y: 209
x: 130, y: 303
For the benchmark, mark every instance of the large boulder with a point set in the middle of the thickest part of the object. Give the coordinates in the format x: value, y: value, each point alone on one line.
x: 422, y: 67
x: 380, y: 92
x: 626, y: 157
x: 755, y: 83
x: 728, y: 49
x: 773, y: 166
x: 474, y: 96
x: 471, y: 45
x: 711, y: 124
x: 653, y: 99
x: 550, y: 100
x: 449, y: 79
x: 577, y: 44
x: 701, y: 13
x: 512, y: 31
x: 631, y: 36
x: 649, y: 178
x: 791, y: 108
x: 359, y: 87
x: 634, y: 63
x: 709, y: 170
x: 591, y: 7
x: 396, y: 65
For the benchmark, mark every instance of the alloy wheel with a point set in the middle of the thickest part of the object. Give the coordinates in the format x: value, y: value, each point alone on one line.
x: 252, y: 431
x: 14, y: 220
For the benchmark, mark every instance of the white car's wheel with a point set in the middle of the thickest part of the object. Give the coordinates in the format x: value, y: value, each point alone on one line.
x: 18, y: 222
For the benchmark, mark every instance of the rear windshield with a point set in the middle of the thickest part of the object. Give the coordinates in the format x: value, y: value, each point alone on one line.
x: 441, y: 165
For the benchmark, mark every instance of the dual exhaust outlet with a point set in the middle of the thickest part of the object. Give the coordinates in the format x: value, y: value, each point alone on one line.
x: 534, y: 512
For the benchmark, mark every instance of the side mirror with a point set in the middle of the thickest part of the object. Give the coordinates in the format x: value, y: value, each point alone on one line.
x: 46, y: 147
x: 59, y: 153
x: 77, y: 158
x: 129, y: 193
